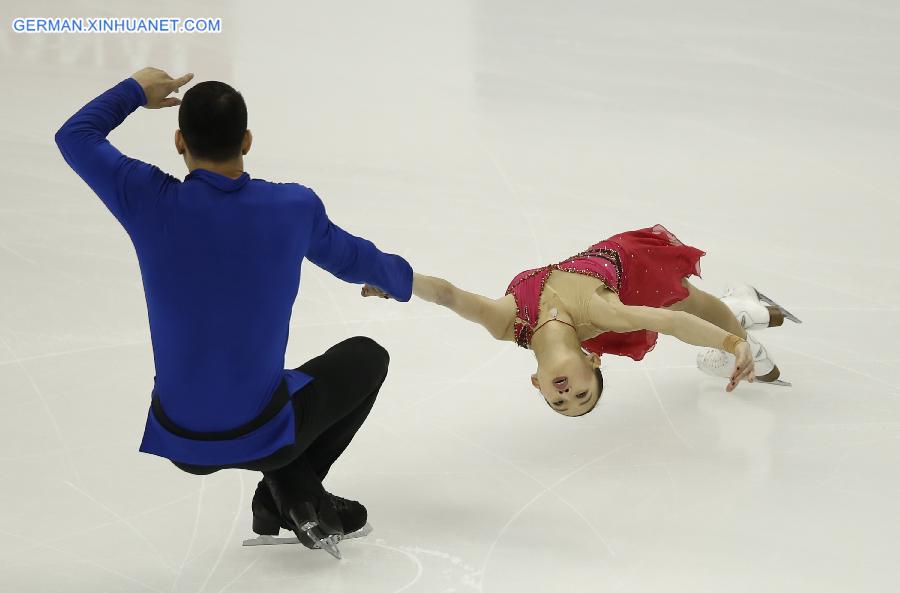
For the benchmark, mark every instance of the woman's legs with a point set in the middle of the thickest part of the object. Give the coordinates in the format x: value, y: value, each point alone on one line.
x: 707, y: 307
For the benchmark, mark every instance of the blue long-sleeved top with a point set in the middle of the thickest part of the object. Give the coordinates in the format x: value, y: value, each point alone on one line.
x: 220, y: 260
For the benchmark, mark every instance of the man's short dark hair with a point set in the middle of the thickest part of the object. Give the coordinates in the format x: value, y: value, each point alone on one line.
x: 213, y: 119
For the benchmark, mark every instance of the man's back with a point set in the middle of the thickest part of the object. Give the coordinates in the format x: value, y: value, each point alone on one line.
x: 220, y: 259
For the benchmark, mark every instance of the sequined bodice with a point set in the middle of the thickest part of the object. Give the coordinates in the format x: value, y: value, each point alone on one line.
x: 601, y: 261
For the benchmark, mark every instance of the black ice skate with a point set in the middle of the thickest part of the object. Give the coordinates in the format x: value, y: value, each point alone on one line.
x: 267, y: 522
x: 314, y: 520
x: 353, y: 515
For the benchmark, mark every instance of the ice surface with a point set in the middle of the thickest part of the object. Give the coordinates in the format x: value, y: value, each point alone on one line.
x: 479, y: 139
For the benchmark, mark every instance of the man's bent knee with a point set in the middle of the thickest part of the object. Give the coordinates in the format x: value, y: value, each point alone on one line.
x: 370, y: 351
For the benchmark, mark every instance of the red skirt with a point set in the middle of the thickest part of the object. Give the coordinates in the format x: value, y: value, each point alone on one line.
x: 654, y: 262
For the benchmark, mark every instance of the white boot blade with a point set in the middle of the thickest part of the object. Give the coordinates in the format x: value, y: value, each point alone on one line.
x: 737, y: 291
x: 775, y: 382
x: 719, y: 363
x: 734, y: 289
x: 271, y: 540
x: 762, y: 364
x: 749, y: 312
x: 784, y: 311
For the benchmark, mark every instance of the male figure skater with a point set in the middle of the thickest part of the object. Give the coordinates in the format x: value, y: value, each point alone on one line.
x: 220, y: 256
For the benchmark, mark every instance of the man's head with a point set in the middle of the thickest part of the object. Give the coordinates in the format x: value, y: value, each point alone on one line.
x: 213, y: 124
x: 573, y: 385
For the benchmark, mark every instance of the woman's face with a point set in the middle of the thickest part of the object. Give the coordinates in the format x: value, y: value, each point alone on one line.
x: 569, y: 384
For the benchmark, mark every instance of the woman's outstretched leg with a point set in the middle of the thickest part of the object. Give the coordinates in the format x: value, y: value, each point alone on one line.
x: 715, y: 311
x: 709, y: 308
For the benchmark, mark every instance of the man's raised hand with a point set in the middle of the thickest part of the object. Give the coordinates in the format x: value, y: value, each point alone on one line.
x: 157, y: 85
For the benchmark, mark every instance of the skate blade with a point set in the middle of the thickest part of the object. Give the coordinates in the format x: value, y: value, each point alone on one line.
x: 319, y: 540
x: 755, y: 382
x: 271, y: 540
x: 361, y: 532
x: 329, y: 544
x: 787, y: 314
x: 775, y: 382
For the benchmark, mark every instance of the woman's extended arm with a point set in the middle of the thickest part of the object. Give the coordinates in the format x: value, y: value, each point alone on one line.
x: 617, y: 317
x: 492, y: 314
x: 680, y: 324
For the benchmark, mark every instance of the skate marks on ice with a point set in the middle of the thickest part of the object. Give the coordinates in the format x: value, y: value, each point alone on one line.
x: 446, y: 570
x: 662, y: 407
x: 482, y: 574
x: 453, y: 570
x: 229, y: 538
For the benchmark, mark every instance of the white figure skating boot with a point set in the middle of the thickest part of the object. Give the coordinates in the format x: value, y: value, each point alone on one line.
x: 747, y: 305
x: 719, y: 363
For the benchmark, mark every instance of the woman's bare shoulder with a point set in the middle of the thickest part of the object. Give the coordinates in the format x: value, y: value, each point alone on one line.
x: 506, y: 309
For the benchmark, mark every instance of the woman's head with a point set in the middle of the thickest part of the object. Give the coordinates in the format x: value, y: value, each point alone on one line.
x: 571, y: 383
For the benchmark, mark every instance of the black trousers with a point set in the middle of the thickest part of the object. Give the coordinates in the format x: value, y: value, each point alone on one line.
x: 328, y: 412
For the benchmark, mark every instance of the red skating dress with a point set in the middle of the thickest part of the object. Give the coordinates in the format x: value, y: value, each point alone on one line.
x: 644, y: 267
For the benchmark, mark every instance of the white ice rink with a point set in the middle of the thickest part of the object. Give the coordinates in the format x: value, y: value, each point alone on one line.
x: 479, y: 139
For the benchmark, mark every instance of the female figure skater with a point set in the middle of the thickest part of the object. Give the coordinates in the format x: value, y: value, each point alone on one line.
x: 616, y: 297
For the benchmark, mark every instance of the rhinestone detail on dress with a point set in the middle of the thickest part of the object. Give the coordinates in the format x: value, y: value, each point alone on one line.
x: 523, y: 329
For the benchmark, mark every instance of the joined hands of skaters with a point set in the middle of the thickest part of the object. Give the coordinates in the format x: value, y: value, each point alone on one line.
x: 743, y: 366
x: 158, y: 85
x: 369, y: 290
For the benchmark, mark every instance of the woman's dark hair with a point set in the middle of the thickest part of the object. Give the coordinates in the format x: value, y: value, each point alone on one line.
x: 599, y: 376
x: 213, y: 119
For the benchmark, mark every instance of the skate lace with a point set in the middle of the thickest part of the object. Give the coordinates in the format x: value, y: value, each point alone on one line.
x: 341, y: 504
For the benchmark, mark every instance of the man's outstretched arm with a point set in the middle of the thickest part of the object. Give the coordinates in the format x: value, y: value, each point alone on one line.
x: 492, y: 314
x: 357, y: 260
x: 114, y: 177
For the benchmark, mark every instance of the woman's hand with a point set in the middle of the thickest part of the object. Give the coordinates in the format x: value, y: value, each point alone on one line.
x: 743, y: 366
x: 369, y: 290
